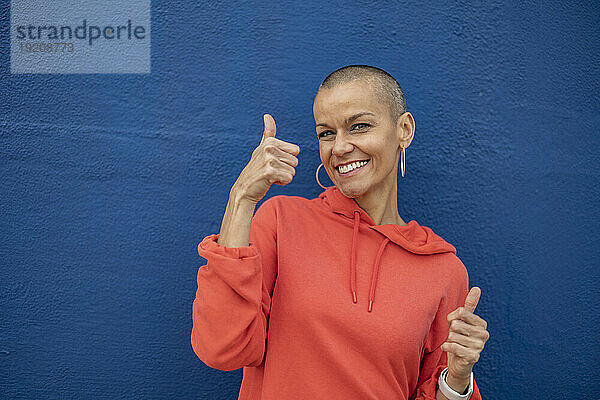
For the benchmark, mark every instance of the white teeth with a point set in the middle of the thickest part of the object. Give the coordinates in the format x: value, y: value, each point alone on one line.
x: 350, y: 167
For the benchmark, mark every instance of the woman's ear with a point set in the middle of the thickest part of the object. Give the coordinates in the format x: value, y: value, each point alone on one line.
x: 405, y: 127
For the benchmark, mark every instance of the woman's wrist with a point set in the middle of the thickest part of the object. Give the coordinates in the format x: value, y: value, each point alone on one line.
x: 235, y: 227
x: 456, y: 392
x: 459, y: 385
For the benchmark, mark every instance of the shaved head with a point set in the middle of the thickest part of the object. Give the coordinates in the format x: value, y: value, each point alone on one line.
x: 385, y: 86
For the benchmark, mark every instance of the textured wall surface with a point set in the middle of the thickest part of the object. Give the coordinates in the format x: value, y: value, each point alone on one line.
x: 110, y: 181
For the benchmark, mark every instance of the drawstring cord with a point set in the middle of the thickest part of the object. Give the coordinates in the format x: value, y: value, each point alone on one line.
x: 375, y: 271
x: 353, y: 259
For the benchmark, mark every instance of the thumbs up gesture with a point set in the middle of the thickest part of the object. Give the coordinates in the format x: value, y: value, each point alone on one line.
x: 273, y: 161
x: 466, y: 337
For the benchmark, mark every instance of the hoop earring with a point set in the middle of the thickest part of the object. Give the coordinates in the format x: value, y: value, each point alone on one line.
x: 317, y: 176
x: 403, y: 161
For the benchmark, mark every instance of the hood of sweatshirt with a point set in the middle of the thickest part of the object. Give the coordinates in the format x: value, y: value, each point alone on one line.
x: 412, y: 236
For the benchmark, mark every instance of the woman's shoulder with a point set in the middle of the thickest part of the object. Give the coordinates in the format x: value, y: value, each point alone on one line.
x: 287, y: 201
x: 288, y: 208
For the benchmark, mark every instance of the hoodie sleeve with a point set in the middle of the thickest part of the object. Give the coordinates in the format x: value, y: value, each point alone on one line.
x: 434, y: 359
x: 231, y: 309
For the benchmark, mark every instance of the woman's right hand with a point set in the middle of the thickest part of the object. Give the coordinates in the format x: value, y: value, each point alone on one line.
x: 273, y: 161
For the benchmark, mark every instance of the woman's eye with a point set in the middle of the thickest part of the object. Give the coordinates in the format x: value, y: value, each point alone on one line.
x: 361, y: 126
x: 323, y: 134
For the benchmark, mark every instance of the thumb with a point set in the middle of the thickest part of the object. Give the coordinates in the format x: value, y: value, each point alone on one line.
x: 472, y: 298
x: 270, y: 127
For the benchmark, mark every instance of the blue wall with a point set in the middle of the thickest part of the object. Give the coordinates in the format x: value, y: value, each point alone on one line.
x: 110, y: 181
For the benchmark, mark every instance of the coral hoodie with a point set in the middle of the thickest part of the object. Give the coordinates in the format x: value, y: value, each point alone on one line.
x: 325, y: 304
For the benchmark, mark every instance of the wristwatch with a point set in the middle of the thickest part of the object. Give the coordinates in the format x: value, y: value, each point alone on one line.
x: 449, y: 392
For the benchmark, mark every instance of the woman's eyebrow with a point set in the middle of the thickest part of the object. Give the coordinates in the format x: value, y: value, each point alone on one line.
x: 352, y: 118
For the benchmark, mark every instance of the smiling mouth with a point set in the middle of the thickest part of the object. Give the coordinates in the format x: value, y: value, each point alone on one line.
x: 349, y: 168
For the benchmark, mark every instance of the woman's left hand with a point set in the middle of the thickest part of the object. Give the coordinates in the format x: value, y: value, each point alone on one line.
x: 466, y: 337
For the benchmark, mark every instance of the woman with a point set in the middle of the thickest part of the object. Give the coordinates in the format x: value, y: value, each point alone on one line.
x: 289, y: 293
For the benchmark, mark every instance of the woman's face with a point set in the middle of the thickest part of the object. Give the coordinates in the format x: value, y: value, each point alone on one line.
x: 354, y: 125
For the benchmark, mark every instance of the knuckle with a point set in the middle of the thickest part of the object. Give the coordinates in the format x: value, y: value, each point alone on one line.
x: 269, y: 178
x: 269, y: 172
x: 454, y: 324
x: 269, y: 147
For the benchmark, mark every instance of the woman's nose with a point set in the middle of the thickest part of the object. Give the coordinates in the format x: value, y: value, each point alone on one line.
x: 341, y: 145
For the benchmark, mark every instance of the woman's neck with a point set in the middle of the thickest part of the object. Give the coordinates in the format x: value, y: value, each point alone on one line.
x: 382, y: 205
